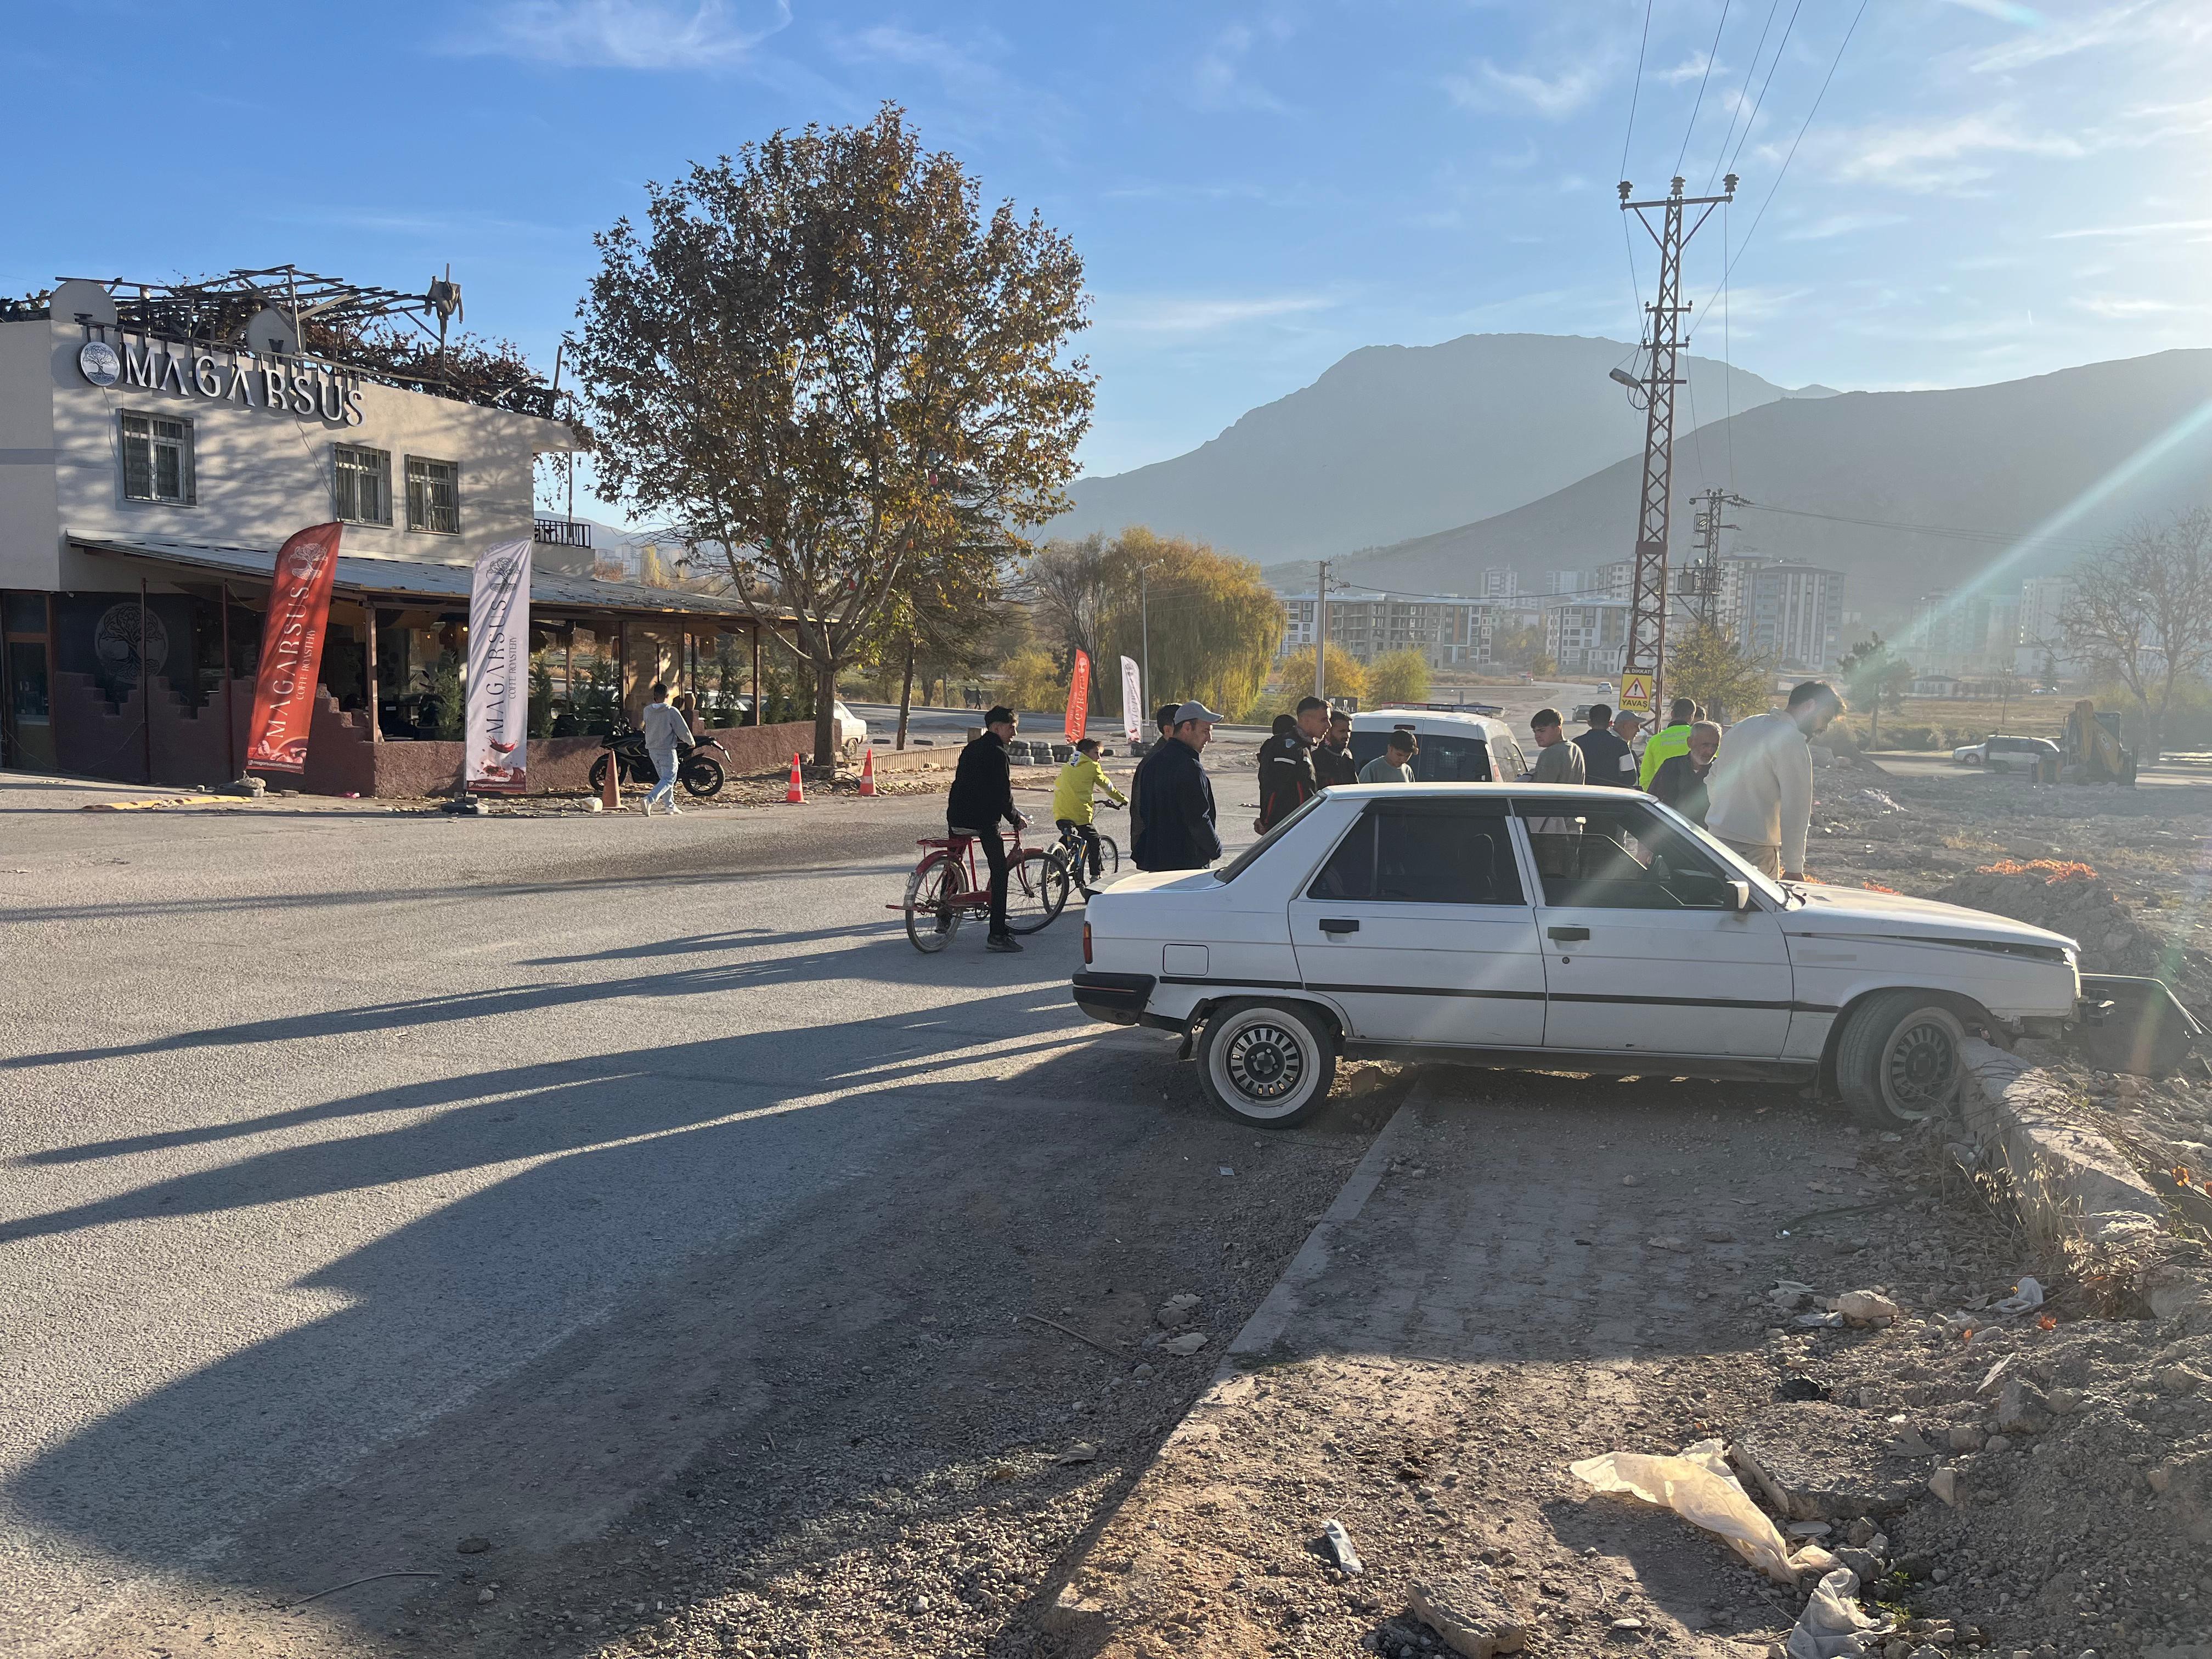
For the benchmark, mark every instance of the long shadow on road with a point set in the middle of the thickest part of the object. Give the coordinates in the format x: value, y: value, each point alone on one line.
x: 627, y: 1172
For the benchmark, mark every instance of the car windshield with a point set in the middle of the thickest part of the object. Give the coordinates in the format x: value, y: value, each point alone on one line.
x: 1706, y: 841
x: 1238, y: 865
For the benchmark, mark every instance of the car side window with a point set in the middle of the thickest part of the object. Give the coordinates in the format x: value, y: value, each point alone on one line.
x: 1621, y: 858
x: 1514, y: 762
x: 1424, y: 852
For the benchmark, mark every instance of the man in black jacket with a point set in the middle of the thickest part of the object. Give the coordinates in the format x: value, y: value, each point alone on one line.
x: 1164, y: 719
x: 1176, y: 830
x: 1287, y: 763
x: 983, y: 796
x: 1603, y: 751
x: 1332, y: 757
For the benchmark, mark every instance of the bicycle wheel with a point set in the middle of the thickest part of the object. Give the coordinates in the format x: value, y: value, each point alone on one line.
x: 1037, y: 885
x: 936, y: 899
x: 1110, y: 856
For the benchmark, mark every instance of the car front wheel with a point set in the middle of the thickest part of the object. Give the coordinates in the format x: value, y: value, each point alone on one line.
x: 1269, y: 1065
x: 1901, y: 1060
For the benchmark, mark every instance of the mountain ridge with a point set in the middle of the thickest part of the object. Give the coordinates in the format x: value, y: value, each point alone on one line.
x: 1392, y: 441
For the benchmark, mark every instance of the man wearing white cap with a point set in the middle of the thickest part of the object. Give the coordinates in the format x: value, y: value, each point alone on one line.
x: 1176, y: 823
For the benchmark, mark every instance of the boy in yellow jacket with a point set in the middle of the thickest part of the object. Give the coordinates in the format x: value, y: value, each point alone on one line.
x: 1074, y: 808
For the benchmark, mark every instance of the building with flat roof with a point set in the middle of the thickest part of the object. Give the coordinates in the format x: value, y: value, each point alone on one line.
x: 1450, y: 632
x: 159, y: 443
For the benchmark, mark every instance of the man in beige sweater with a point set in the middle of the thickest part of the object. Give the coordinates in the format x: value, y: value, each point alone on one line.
x: 1761, y: 784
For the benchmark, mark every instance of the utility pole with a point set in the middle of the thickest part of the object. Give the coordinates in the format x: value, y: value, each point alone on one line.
x: 1701, y: 585
x: 1647, y: 614
x: 1321, y: 633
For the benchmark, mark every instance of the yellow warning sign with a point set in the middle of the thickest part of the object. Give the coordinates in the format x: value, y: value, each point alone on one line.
x: 1635, y: 692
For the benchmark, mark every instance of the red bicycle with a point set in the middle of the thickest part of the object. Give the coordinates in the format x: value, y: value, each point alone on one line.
x: 944, y: 890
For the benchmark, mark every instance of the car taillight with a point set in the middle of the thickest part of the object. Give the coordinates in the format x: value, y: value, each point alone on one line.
x: 1086, y: 945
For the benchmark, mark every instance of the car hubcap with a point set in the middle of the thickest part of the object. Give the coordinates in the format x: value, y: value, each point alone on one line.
x: 1265, y: 1062
x: 1923, y: 1067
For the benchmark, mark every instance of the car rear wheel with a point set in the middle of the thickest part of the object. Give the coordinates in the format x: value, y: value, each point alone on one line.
x: 1270, y: 1064
x: 1901, y: 1060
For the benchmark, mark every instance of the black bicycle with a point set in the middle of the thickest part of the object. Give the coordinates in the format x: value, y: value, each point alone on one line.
x: 1071, y: 854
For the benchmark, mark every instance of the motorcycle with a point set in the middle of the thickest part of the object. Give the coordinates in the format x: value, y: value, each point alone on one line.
x: 698, y: 771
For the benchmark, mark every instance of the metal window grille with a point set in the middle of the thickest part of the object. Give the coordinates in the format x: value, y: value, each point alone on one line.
x: 362, y: 483
x: 434, y: 495
x: 157, y: 459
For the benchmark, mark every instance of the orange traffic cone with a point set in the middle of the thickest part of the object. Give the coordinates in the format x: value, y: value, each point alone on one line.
x: 796, y: 794
x: 611, y: 790
x: 868, y: 772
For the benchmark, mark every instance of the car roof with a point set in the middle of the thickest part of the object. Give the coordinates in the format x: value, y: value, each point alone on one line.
x: 1432, y: 723
x: 1570, y: 792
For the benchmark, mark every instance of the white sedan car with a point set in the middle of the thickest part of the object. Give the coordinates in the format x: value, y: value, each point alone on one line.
x: 1575, y: 929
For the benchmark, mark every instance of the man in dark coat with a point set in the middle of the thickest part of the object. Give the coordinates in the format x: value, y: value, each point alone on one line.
x: 1287, y: 780
x: 1332, y: 757
x: 982, y: 797
x: 1603, y: 751
x: 1177, y: 830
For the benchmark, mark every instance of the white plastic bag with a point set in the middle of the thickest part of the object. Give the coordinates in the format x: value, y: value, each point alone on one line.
x: 1833, y: 1627
x: 1699, y: 1486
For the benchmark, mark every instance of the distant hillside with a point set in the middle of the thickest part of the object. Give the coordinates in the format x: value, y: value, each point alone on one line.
x: 2113, y: 441
x: 1399, y: 441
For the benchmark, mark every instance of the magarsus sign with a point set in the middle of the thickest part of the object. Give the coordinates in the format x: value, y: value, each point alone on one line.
x: 292, y: 650
x: 226, y: 375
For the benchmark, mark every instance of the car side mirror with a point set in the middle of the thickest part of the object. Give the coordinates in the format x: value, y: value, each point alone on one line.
x: 1739, y: 896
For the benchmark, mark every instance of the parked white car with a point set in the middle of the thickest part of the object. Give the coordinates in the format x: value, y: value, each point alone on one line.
x: 852, y: 730
x: 1455, y: 745
x: 2005, y: 754
x: 1582, y: 929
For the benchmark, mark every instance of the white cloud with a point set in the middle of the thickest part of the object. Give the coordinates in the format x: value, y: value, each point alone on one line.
x: 1693, y: 67
x: 1941, y: 156
x: 2156, y: 228
x: 1159, y: 315
x: 636, y: 34
x: 1554, y: 97
x: 1841, y: 224
x: 2005, y: 11
x: 2120, y: 307
x: 1217, y: 79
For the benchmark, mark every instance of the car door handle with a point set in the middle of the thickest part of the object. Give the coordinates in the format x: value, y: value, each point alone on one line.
x: 1338, y: 925
x: 1566, y: 935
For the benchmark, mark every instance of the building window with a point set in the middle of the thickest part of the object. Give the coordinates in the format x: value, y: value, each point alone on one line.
x: 157, y: 459
x: 434, y: 495
x: 362, y: 484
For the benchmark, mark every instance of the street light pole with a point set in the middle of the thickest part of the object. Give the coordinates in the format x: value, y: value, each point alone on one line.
x: 1144, y: 616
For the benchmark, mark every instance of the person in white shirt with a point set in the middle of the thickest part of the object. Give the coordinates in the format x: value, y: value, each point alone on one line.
x: 667, y: 733
x: 1761, y: 784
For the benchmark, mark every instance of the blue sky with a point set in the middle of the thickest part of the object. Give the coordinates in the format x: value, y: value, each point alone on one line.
x: 1988, y: 189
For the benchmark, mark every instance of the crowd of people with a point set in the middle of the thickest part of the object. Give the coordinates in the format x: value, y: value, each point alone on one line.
x: 1752, y: 789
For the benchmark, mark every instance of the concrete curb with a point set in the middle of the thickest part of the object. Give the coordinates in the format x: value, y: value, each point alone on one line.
x: 1073, y: 1613
x: 2066, y: 1179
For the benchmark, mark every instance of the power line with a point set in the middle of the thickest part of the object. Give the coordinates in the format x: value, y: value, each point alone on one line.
x: 1636, y: 87
x: 1628, y: 241
x: 1701, y: 102
x: 1834, y: 64
x: 1759, y: 102
x: 1987, y: 538
x: 1757, y: 52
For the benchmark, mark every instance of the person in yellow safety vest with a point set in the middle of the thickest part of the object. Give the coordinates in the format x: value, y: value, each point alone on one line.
x: 1672, y: 739
x: 1074, y: 811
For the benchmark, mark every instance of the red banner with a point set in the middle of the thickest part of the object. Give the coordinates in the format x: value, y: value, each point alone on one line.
x: 1078, y: 697
x: 292, y: 650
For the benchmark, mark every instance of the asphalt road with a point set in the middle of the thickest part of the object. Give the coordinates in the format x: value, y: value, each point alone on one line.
x: 1910, y: 763
x: 370, y: 1180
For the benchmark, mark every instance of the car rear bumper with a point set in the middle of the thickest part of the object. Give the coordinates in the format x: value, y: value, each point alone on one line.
x: 1117, y: 998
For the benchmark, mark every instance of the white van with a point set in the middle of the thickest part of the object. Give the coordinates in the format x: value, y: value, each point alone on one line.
x: 1456, y: 746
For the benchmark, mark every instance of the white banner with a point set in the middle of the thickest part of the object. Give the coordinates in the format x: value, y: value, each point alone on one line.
x: 499, y: 669
x: 1133, y: 702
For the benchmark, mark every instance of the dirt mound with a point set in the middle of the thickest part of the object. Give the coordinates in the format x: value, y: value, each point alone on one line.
x: 2067, y: 898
